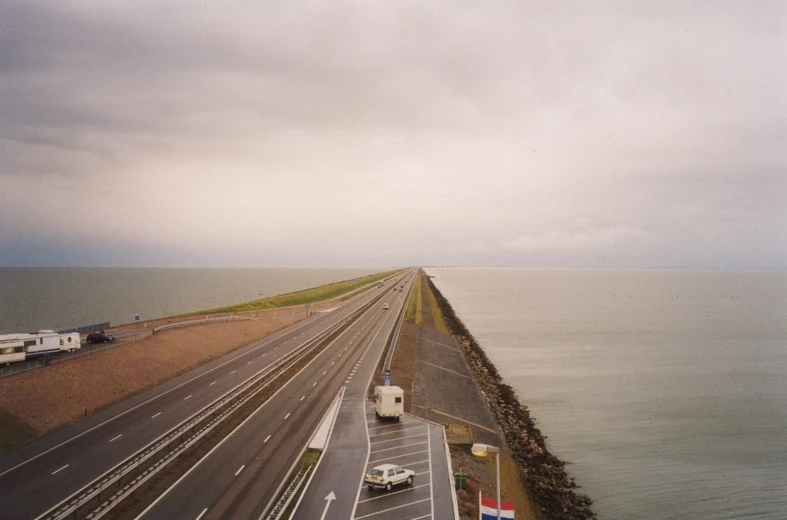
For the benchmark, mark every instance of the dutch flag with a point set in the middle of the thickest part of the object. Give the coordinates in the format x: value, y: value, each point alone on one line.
x: 489, y: 509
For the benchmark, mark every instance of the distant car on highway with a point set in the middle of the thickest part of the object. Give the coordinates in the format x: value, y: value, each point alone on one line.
x: 387, y: 476
x: 385, y: 306
x: 100, y: 337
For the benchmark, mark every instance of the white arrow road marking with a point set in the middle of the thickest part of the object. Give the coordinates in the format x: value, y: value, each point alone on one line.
x: 330, y: 498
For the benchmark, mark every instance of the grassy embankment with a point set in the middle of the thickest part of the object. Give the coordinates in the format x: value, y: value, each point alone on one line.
x: 313, y: 295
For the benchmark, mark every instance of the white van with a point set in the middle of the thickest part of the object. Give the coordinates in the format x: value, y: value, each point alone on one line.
x: 385, y: 306
x: 389, y: 401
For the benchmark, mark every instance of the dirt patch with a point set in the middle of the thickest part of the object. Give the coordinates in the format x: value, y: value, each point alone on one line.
x: 60, y: 394
x: 13, y: 431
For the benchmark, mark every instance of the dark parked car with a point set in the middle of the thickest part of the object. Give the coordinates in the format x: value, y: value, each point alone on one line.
x: 100, y: 337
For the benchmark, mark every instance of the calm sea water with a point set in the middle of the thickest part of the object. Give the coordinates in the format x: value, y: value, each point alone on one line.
x: 33, y: 298
x: 666, y: 391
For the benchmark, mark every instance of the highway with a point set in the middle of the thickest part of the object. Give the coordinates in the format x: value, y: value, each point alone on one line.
x: 40, y: 474
x: 240, y: 477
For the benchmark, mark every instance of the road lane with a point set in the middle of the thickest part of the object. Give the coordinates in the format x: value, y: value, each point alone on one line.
x: 82, y: 451
x: 267, y: 462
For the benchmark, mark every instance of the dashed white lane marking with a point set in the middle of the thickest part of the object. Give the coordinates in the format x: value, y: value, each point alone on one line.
x: 61, y: 469
x: 202, y: 513
x: 249, y: 363
x: 156, y: 415
x: 333, y: 363
x: 315, y: 384
x: 187, y: 397
x: 239, y: 470
x: 302, y: 398
x: 213, y: 383
x: 116, y: 438
x: 285, y: 417
x: 325, y: 372
x: 233, y: 372
x: 266, y: 439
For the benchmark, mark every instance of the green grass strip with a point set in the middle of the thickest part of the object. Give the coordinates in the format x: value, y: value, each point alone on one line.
x: 313, y: 295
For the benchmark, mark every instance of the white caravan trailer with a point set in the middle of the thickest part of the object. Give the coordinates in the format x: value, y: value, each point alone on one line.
x: 42, y: 343
x: 12, y: 349
x: 388, y: 401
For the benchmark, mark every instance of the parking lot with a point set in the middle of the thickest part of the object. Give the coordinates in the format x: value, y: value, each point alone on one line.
x: 413, y: 444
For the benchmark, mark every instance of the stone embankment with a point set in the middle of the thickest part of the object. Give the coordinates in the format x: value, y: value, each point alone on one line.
x: 545, y: 474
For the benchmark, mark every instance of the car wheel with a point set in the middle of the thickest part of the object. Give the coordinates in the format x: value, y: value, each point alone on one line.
x: 388, y: 486
x: 409, y: 481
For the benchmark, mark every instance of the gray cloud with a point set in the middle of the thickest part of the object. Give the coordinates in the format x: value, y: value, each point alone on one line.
x: 465, y: 132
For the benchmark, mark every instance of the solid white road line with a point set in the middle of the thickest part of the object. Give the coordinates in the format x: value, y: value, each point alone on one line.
x: 202, y: 513
x: 239, y: 470
x: 431, y: 487
x: 266, y: 439
x: 285, y: 417
x: 61, y: 469
x: 156, y: 415
x: 187, y: 397
x: 116, y: 438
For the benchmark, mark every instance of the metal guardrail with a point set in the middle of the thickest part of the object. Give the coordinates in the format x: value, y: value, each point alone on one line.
x: 99, y: 496
x: 394, y: 337
x: 182, y: 324
x: 289, y: 493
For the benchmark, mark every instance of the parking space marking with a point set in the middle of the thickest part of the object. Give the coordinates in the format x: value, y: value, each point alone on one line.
x: 391, y: 509
x: 400, y: 438
x: 398, y: 447
x: 399, y: 457
x: 399, y: 431
x: 391, y: 494
x: 422, y: 517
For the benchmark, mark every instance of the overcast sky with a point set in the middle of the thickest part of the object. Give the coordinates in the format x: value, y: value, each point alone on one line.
x: 371, y: 133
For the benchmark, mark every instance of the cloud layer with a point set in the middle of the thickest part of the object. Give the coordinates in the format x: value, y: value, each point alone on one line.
x: 349, y: 133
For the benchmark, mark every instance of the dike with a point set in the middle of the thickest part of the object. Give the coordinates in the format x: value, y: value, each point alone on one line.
x: 553, y: 490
